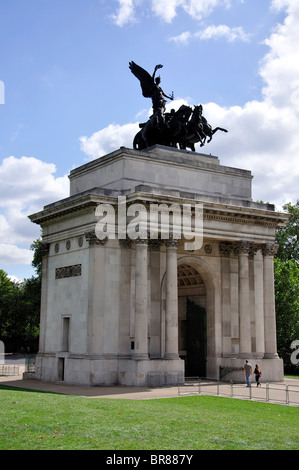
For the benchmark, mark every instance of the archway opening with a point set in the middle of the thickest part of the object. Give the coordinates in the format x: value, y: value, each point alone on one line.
x: 192, y: 320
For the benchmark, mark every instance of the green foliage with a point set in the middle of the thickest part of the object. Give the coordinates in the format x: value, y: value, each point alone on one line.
x: 286, y: 274
x: 287, y: 305
x: 19, y: 312
x: 20, y: 307
x: 288, y: 237
x: 36, y: 246
x: 9, y: 306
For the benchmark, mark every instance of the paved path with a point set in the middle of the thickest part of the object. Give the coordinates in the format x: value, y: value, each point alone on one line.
x: 276, y: 393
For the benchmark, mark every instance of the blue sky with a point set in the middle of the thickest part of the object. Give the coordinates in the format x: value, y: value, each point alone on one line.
x: 68, y: 95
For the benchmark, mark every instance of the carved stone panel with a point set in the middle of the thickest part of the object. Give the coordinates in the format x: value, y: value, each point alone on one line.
x: 68, y: 271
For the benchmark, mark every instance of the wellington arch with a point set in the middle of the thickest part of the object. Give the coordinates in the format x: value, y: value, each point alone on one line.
x: 148, y: 311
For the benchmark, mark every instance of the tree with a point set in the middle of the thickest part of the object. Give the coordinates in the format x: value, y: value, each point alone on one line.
x: 288, y: 237
x: 37, y: 247
x: 286, y: 275
x: 287, y: 306
x: 20, y: 307
x: 8, y: 305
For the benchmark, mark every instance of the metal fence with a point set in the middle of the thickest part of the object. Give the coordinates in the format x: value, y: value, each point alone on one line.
x: 30, y: 363
x: 8, y: 370
x: 287, y: 394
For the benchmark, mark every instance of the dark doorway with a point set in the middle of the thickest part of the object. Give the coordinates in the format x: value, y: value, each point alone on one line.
x: 196, y: 340
x: 61, y: 368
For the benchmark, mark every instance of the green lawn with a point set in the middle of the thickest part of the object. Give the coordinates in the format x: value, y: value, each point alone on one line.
x: 36, y: 420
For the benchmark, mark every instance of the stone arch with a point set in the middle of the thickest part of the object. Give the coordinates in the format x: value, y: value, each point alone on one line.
x: 200, y: 268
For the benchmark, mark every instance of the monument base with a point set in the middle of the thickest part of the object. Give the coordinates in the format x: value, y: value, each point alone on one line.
x: 272, y: 369
x: 109, y: 371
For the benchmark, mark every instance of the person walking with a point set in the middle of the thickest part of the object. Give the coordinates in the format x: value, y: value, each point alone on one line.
x: 257, y: 371
x: 247, y: 370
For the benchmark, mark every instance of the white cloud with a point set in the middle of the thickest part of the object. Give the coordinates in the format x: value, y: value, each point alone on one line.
x: 280, y: 68
x: 26, y: 185
x: 280, y: 4
x: 182, y: 38
x: 198, y: 9
x: 223, y: 31
x: 166, y: 10
x: 125, y: 13
x: 109, y: 139
x: 261, y: 138
x: 14, y: 279
x: 26, y: 180
x: 11, y: 254
x: 214, y: 32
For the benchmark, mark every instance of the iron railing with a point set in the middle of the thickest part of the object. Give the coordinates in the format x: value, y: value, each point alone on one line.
x: 287, y: 394
x: 30, y: 363
x: 9, y: 370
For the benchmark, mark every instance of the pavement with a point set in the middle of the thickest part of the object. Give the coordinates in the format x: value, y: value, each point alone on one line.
x: 286, y: 392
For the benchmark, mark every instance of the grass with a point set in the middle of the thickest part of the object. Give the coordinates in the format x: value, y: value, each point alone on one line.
x: 39, y: 420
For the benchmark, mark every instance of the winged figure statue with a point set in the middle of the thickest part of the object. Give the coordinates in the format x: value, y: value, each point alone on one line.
x: 150, y: 86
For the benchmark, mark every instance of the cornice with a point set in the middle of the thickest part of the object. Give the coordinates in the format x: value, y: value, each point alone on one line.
x: 212, y: 211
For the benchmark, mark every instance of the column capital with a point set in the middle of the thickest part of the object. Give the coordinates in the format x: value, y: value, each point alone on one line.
x: 242, y: 247
x: 269, y: 249
x: 141, y: 241
x: 171, y: 243
x: 93, y: 240
x: 225, y: 248
x: 45, y: 247
x: 125, y: 242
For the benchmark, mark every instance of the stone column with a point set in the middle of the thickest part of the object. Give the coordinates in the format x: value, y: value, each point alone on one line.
x: 43, y: 309
x: 225, y: 250
x: 269, y: 250
x: 171, y: 318
x: 242, y: 250
x: 141, y: 319
x: 259, y: 304
x: 96, y: 306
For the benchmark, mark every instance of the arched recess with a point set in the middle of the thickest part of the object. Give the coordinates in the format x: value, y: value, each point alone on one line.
x: 207, y: 275
x: 200, y: 272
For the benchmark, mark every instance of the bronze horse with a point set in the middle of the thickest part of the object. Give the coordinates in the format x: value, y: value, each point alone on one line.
x: 198, y: 129
x: 170, y: 134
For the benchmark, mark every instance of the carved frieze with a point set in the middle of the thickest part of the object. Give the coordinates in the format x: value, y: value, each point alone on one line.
x: 68, y: 271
